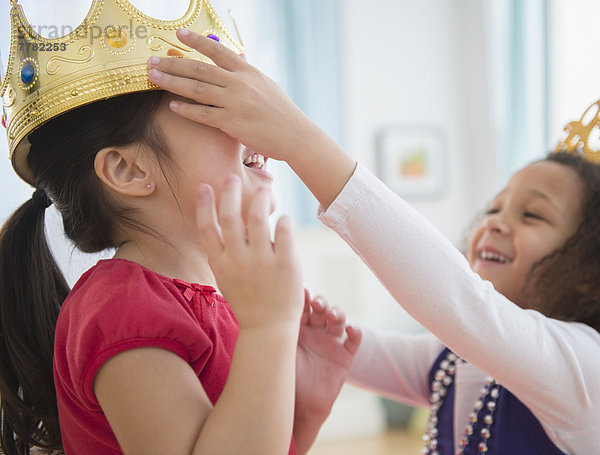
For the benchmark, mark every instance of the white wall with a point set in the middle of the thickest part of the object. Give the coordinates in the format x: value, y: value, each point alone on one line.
x: 574, y: 63
x: 422, y: 62
x: 406, y: 62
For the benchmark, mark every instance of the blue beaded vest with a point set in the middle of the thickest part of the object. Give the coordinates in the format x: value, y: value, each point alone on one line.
x: 515, y: 431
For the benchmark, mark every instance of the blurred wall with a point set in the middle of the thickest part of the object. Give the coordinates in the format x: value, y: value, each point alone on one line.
x: 406, y: 63
x: 422, y: 63
x: 574, y: 63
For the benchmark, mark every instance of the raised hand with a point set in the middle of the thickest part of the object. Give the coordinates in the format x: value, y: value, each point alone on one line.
x: 241, y: 101
x: 326, y: 349
x: 232, y: 96
x: 261, y: 280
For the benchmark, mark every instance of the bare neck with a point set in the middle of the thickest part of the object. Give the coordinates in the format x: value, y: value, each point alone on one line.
x: 182, y: 261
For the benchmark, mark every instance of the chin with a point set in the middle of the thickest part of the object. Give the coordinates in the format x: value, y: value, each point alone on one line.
x: 479, y: 272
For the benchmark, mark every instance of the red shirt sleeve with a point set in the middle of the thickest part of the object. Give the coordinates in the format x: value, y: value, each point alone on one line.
x: 117, y: 306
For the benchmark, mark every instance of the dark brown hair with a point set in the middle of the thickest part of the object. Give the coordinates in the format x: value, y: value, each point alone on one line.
x: 567, y: 286
x: 32, y: 287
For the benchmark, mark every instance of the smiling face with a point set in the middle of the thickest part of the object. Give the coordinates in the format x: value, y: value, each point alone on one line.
x: 535, y: 214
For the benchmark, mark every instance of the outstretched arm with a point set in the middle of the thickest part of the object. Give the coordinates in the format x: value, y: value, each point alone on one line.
x: 326, y: 349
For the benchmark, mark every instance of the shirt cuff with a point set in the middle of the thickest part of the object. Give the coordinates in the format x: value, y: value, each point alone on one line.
x: 345, y: 203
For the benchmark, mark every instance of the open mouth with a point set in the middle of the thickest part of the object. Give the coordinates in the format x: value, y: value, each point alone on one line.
x: 255, y: 161
x: 494, y: 256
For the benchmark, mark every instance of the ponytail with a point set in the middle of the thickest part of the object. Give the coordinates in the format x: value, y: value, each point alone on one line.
x: 32, y: 290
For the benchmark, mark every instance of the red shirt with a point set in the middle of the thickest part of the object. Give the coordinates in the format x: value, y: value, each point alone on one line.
x: 119, y: 305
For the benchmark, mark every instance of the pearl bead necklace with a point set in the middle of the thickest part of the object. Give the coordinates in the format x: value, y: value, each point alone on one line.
x: 442, y: 379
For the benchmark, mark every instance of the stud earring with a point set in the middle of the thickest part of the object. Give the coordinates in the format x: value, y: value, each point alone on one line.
x: 148, y: 186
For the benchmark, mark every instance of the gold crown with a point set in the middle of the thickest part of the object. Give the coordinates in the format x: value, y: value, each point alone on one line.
x: 581, y: 133
x: 105, y: 56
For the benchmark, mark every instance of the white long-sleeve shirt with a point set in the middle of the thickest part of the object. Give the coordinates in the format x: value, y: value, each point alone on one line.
x: 552, y: 366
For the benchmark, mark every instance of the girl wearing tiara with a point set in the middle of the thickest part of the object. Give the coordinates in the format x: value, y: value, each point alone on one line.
x: 511, y: 365
x: 153, y: 351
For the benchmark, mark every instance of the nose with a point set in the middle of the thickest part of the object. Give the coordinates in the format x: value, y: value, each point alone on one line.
x: 497, y: 222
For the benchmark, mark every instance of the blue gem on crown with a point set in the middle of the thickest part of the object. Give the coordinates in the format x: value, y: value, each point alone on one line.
x: 27, y: 73
x: 214, y: 37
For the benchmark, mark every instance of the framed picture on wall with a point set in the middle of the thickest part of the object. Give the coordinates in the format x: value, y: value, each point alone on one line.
x: 411, y: 160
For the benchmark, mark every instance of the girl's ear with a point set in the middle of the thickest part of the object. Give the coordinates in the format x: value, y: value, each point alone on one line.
x: 123, y: 170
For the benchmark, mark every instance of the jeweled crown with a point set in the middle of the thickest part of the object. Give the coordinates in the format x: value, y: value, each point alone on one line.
x: 583, y: 134
x: 104, y: 57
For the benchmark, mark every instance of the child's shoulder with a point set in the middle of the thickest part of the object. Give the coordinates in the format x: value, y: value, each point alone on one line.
x: 117, y: 302
x: 120, y: 285
x: 120, y: 273
x: 119, y: 305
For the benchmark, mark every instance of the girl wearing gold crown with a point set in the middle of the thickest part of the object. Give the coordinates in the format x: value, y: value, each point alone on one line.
x: 154, y: 350
x: 511, y: 364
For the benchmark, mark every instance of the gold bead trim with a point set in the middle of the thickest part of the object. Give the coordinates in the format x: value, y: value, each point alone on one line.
x: 90, y: 20
x: 188, y: 18
x: 19, y: 26
x: 95, y: 87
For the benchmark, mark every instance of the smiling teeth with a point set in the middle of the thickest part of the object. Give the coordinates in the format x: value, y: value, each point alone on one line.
x: 256, y: 161
x: 489, y: 256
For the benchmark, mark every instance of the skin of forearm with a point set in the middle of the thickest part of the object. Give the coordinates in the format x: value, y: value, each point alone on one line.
x: 306, y: 429
x: 254, y: 414
x: 322, y: 164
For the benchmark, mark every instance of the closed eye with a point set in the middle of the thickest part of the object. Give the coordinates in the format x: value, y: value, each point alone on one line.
x: 533, y: 215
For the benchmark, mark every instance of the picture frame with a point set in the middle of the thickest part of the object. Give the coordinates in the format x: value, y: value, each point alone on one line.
x: 411, y: 160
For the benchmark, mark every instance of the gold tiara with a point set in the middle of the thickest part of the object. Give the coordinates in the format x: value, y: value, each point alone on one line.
x: 581, y: 133
x: 104, y: 57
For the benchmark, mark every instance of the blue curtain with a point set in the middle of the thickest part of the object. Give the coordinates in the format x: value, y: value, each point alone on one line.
x: 518, y: 50
x: 310, y: 52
